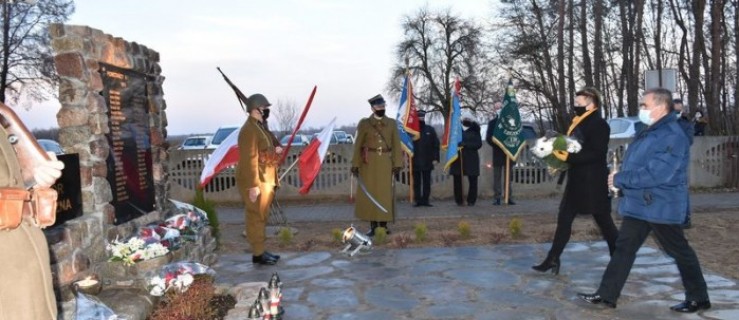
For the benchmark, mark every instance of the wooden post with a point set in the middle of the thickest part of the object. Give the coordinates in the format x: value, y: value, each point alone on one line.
x: 507, y: 177
x: 410, y: 175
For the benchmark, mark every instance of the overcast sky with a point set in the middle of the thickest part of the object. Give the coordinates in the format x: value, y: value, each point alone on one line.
x: 278, y: 48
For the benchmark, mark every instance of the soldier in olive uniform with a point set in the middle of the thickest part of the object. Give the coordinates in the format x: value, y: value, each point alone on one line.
x: 26, y: 288
x: 376, y: 157
x: 256, y: 176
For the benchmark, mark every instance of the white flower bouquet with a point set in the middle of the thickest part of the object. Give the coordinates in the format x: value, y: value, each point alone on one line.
x: 176, y: 276
x: 553, y: 141
x: 134, y: 250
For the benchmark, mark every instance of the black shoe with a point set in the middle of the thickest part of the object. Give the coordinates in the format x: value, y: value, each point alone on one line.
x: 691, y: 306
x: 417, y: 204
x: 510, y: 202
x: 263, y: 260
x: 548, y: 263
x: 496, y: 202
x: 596, y: 299
x: 470, y: 204
x: 272, y: 255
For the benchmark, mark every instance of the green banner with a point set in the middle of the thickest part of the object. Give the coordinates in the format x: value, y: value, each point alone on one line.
x: 507, y: 131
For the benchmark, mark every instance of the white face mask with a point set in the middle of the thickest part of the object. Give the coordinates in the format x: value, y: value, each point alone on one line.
x: 644, y: 116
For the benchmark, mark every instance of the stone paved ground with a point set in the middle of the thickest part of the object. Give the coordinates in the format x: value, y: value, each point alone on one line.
x: 490, y: 282
x: 484, y: 282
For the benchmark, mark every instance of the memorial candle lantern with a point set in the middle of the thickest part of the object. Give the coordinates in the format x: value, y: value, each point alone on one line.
x: 254, y: 314
x: 274, y: 296
x: 90, y: 285
x: 264, y: 300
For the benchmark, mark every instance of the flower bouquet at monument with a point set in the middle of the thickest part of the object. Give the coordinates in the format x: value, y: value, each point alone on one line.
x: 552, y: 141
x: 134, y: 250
x: 161, y: 233
x: 177, y: 276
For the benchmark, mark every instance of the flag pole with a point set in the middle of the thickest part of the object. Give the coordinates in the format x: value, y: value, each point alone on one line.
x: 289, y: 168
x: 507, y: 177
x: 411, y: 194
x: 461, y: 172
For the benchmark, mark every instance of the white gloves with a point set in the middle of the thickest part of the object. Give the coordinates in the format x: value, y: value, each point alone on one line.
x: 46, y: 173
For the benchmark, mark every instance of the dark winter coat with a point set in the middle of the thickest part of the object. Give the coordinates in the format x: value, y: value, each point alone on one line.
x: 498, y: 155
x: 653, y: 177
x: 471, y: 143
x: 587, y: 178
x: 425, y: 149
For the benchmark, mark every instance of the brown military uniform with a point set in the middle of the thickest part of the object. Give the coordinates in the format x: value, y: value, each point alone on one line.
x: 376, y: 152
x: 26, y: 289
x: 257, y: 167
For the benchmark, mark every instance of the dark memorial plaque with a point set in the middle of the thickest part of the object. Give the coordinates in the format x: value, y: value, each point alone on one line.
x: 68, y: 187
x: 129, y: 162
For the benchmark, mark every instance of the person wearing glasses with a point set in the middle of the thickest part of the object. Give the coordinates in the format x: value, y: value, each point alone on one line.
x: 586, y: 191
x: 654, y: 184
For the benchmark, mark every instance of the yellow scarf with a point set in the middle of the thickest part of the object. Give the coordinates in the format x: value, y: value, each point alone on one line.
x: 577, y: 119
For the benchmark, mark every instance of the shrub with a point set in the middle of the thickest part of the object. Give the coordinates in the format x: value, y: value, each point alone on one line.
x: 199, y: 302
x: 464, y: 229
x: 514, y: 227
x: 337, y: 235
x: 380, y: 236
x: 421, y: 231
x: 285, y: 236
x: 210, y: 209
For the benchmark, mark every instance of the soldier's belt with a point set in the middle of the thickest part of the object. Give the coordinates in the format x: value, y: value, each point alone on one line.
x: 380, y: 150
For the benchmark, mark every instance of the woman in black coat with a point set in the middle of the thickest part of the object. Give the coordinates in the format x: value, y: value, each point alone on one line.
x: 470, y: 164
x: 587, y: 178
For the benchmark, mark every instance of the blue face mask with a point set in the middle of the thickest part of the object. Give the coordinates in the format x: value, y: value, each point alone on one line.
x: 644, y: 116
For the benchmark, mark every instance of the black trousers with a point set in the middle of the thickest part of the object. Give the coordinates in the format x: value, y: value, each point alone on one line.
x: 421, y: 186
x: 471, y: 191
x: 672, y: 239
x: 565, y: 218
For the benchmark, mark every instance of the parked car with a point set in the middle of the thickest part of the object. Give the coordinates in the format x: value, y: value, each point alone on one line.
x: 195, y: 142
x: 342, y: 136
x: 334, y: 139
x: 299, y: 140
x: 220, y: 135
x: 625, y: 127
x: 51, y: 146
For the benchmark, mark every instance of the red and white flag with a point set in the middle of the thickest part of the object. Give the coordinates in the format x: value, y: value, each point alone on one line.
x: 224, y: 156
x: 312, y: 157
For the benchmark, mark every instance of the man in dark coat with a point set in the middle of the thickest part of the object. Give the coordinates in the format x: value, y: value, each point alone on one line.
x: 499, y: 160
x: 586, y: 191
x: 425, y: 156
x: 654, y: 184
x: 470, y: 161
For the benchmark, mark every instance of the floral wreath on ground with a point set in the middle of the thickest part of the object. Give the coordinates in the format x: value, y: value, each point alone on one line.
x: 177, y: 276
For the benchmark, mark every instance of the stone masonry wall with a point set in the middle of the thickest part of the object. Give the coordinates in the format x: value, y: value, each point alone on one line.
x: 78, y: 246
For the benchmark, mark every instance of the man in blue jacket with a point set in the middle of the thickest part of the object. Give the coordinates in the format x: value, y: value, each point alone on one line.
x: 653, y: 181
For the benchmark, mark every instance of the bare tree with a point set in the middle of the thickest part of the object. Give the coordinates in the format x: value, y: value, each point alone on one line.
x: 286, y: 115
x: 438, y: 47
x: 27, y: 67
